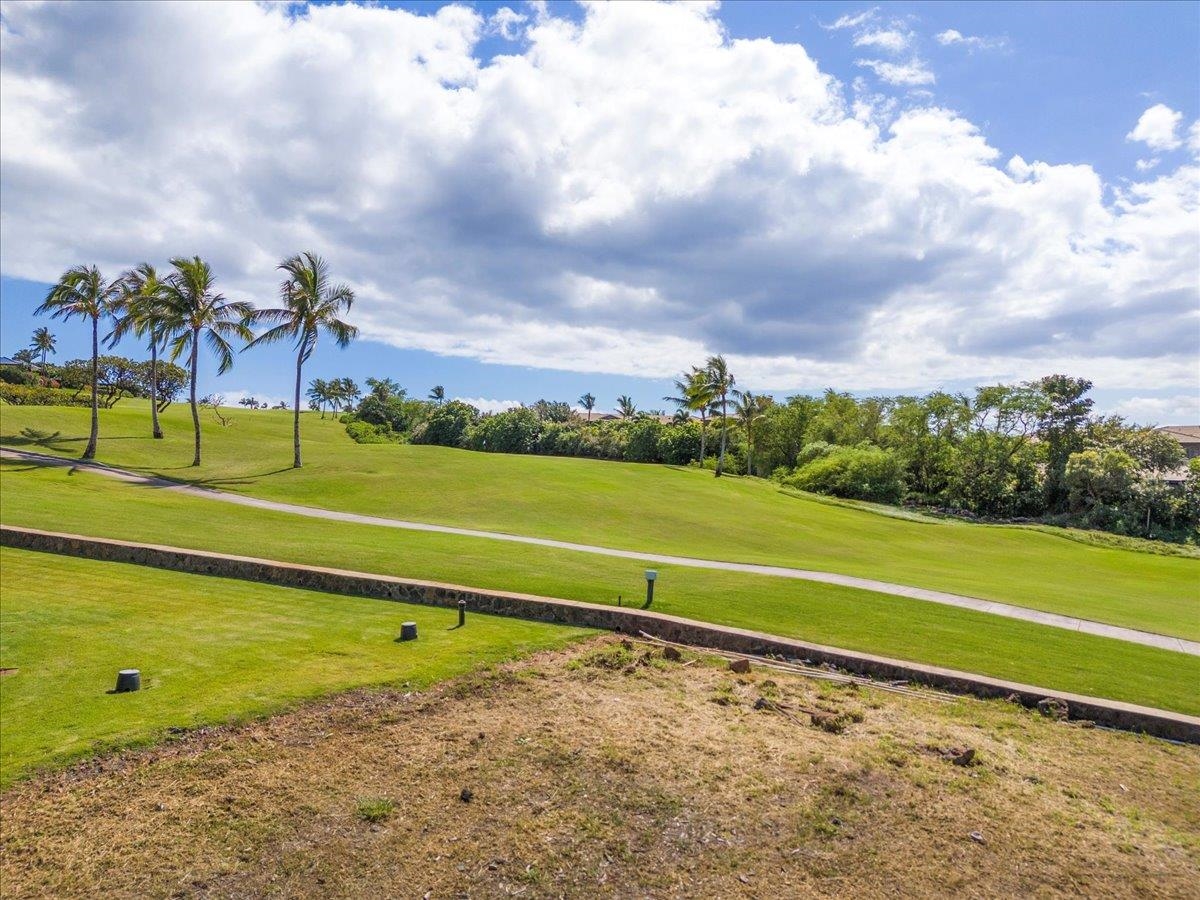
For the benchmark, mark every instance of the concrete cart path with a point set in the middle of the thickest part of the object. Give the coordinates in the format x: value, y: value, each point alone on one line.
x: 1162, y: 641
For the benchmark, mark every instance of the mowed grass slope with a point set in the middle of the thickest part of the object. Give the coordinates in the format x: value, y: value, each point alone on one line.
x: 209, y: 649
x: 641, y: 507
x: 57, y: 498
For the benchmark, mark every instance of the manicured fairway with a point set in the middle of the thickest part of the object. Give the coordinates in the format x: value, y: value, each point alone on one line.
x: 639, y: 507
x: 86, y: 503
x: 210, y: 649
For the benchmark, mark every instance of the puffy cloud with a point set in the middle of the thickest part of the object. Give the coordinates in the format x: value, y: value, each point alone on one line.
x: 953, y: 37
x: 507, y: 23
x: 1181, y: 409
x: 913, y: 72
x: 1145, y: 165
x: 489, y: 405
x: 1156, y: 128
x: 625, y: 194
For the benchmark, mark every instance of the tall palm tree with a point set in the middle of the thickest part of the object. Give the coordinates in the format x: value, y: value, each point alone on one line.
x: 142, y: 309
x: 438, y: 394
x: 588, y: 402
x: 626, y: 407
x: 750, y: 410
x: 194, y: 310
x: 695, y: 395
x: 82, y: 291
x: 311, y: 304
x: 43, y: 342
x: 720, y: 382
x: 318, y: 393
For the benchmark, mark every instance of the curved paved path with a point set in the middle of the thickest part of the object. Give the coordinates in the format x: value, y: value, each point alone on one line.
x: 1161, y: 641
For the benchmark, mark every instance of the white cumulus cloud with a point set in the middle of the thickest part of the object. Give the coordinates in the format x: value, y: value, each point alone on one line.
x: 1157, y: 128
x: 913, y: 72
x: 625, y: 194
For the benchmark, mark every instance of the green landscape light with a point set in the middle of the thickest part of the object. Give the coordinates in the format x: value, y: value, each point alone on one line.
x: 651, y: 576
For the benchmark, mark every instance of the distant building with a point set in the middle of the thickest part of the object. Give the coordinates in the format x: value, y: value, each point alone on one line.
x: 1189, y: 438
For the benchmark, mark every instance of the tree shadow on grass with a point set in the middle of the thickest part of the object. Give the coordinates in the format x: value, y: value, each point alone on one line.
x: 153, y: 479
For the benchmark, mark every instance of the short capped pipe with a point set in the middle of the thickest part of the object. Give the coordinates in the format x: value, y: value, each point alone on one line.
x: 129, y: 680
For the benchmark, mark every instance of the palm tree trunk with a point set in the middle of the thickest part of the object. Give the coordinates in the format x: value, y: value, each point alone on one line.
x: 195, y: 411
x: 296, y: 418
x: 156, y: 428
x: 724, y: 428
x: 703, y: 435
x: 89, y: 452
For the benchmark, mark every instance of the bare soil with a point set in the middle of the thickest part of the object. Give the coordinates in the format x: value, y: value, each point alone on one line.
x: 607, y: 770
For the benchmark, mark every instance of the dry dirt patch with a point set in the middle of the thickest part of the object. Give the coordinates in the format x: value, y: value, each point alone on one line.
x: 608, y: 770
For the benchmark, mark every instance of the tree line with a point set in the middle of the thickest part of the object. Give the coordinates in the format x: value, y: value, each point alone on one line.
x: 174, y: 313
x: 1030, y: 451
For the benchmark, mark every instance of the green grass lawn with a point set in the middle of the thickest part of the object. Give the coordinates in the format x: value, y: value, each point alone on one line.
x: 87, y: 503
x: 640, y: 507
x: 209, y: 649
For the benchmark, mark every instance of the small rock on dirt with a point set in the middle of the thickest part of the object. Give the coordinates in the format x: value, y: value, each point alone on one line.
x: 672, y: 654
x: 966, y: 758
x: 977, y: 837
x: 1053, y: 708
x: 762, y: 703
x: 741, y: 666
x: 467, y: 795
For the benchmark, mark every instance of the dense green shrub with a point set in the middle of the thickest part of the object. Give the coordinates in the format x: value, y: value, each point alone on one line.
x: 368, y: 433
x: 642, y: 442
x: 447, y: 425
x: 861, y: 473
x: 17, y: 375
x: 514, y: 431
x: 27, y: 395
x: 679, y: 445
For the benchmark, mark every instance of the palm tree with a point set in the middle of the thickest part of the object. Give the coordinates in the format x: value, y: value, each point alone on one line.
x: 438, y: 394
x: 695, y: 395
x: 311, y: 304
x: 588, y: 402
x: 347, y: 392
x: 720, y: 382
x: 626, y: 407
x: 318, y: 393
x: 82, y: 291
x: 384, y: 388
x: 43, y: 342
x: 142, y: 309
x: 750, y: 409
x: 195, y: 310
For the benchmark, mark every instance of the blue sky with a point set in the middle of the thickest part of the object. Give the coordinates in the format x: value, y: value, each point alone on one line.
x: 513, y: 237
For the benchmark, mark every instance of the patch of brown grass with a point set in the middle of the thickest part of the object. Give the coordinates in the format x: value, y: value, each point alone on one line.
x: 604, y: 770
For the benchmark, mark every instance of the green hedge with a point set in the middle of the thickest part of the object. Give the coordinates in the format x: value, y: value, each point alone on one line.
x: 25, y: 395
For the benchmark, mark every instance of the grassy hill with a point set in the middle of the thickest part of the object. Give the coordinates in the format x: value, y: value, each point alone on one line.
x: 631, y: 506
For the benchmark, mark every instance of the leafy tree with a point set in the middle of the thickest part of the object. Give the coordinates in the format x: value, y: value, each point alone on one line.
x: 311, y: 304
x: 447, y: 426
x: 588, y: 402
x: 552, y: 410
x: 626, y: 407
x: 141, y: 309
x: 720, y: 382
x: 438, y: 394
x: 43, y: 342
x: 694, y: 395
x: 1099, y: 477
x: 26, y: 356
x: 643, y: 438
x: 195, y: 311
x: 83, y: 291
x: 1061, y: 426
x: 249, y: 402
